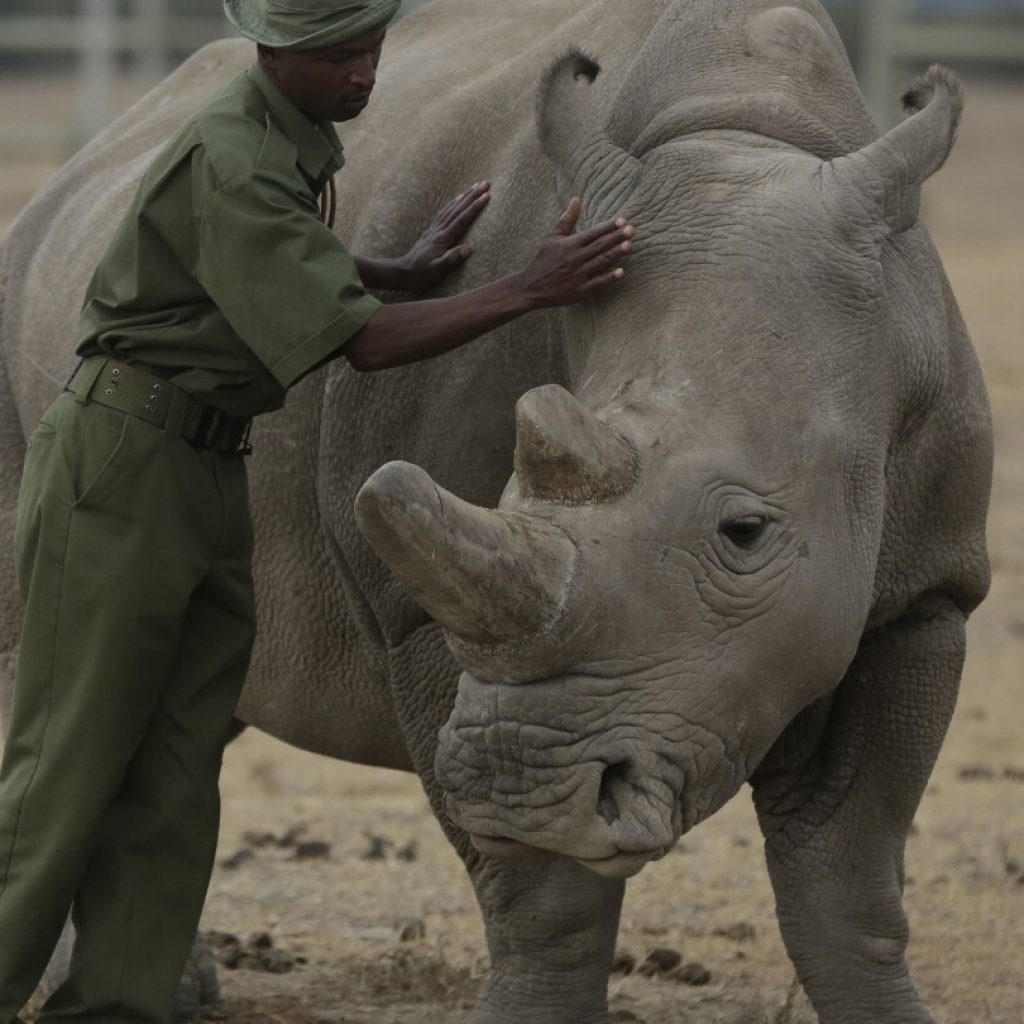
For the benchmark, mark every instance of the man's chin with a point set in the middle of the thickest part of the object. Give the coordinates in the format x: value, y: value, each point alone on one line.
x: 351, y: 109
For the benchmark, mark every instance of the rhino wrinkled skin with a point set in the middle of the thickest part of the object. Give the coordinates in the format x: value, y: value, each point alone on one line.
x: 740, y: 499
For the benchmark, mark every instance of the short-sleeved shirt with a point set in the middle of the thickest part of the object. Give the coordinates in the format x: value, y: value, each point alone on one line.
x: 222, y: 278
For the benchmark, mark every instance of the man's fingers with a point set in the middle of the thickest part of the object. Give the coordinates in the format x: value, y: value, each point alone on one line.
x: 461, y: 212
x: 453, y: 257
x: 604, y: 280
x: 607, y: 229
x: 610, y: 247
x: 608, y: 257
x: 455, y: 206
x: 567, y: 225
x: 460, y: 224
x: 472, y: 194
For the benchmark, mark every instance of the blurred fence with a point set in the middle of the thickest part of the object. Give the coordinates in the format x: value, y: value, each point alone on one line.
x: 102, y: 38
x: 99, y: 38
x: 889, y: 39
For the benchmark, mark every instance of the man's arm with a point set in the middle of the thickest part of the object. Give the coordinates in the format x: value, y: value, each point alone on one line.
x: 567, y: 269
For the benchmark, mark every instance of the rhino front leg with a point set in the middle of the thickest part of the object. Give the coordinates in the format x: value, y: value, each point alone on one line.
x: 835, y: 799
x: 551, y: 924
x: 551, y: 930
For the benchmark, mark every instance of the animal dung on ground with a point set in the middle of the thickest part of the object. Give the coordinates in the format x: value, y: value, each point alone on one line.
x: 237, y: 859
x: 259, y: 839
x: 218, y: 940
x: 378, y: 847
x: 409, y: 852
x: 291, y: 837
x: 314, y: 849
x: 257, y: 953
x: 691, y: 974
x: 411, y: 929
x: 660, y: 961
x: 309, y: 849
x: 624, y: 964
x: 739, y: 932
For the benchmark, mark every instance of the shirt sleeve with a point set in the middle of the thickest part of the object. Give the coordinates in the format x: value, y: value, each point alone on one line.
x: 286, y: 285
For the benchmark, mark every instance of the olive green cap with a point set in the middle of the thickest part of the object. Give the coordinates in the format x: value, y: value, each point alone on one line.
x: 307, y: 24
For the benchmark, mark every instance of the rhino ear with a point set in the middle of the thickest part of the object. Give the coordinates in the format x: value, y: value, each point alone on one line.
x: 590, y: 164
x: 889, y: 172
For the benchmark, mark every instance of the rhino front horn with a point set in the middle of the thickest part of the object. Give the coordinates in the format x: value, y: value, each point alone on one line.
x: 489, y: 576
x: 565, y: 453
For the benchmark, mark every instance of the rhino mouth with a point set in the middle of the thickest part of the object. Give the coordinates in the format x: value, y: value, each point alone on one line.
x: 620, y: 865
x: 613, y: 829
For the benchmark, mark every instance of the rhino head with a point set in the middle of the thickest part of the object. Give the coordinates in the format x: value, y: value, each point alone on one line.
x: 684, y: 557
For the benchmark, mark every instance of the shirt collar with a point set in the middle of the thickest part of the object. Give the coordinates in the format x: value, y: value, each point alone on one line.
x: 319, y: 148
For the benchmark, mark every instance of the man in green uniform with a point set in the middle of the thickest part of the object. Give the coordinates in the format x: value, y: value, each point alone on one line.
x: 222, y: 288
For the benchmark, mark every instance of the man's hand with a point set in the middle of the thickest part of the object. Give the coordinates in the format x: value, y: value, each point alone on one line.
x: 568, y: 268
x: 438, y: 252
x: 571, y: 267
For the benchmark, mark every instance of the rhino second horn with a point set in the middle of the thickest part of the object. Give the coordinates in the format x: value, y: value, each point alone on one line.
x: 489, y: 576
x: 565, y: 453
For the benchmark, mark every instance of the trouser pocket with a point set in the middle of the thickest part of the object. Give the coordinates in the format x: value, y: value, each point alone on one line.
x: 101, y: 440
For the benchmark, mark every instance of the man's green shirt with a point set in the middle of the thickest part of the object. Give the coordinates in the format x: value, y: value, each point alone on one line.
x: 222, y: 277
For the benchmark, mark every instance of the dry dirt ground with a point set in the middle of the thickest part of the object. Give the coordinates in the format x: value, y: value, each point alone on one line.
x: 338, y: 918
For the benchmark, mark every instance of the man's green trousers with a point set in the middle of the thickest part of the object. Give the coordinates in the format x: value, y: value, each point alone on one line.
x: 134, y: 561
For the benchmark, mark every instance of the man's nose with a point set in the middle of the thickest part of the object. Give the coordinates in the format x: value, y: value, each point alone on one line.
x: 364, y: 73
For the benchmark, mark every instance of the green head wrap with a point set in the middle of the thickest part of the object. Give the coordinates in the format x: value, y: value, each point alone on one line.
x: 307, y: 24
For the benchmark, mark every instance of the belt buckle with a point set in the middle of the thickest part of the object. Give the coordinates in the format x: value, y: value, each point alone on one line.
x: 206, y: 427
x: 244, y: 447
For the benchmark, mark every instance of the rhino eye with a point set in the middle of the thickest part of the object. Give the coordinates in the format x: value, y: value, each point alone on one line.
x: 744, y: 530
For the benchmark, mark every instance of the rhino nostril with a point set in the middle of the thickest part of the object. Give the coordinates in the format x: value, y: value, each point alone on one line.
x: 612, y: 778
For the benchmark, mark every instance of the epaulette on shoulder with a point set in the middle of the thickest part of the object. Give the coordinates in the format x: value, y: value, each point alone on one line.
x: 277, y: 153
x: 234, y: 145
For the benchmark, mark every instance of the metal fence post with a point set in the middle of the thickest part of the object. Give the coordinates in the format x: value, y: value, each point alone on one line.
x: 152, y: 20
x: 883, y: 60
x: 97, y: 42
x: 877, y: 58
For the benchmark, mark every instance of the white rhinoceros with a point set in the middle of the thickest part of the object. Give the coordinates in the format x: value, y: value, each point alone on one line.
x: 745, y: 522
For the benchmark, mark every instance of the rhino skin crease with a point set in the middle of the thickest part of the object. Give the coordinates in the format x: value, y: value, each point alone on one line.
x: 745, y: 523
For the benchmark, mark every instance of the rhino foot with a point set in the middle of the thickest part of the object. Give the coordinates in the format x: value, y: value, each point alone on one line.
x: 502, y: 1014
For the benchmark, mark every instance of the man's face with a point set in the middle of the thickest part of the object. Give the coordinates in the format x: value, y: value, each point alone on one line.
x: 329, y: 84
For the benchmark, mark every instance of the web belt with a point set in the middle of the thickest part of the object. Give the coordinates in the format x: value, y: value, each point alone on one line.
x: 132, y: 390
